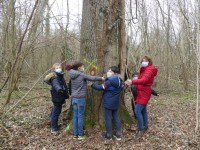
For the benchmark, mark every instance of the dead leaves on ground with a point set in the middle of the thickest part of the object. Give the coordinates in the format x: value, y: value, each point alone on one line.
x: 171, y: 126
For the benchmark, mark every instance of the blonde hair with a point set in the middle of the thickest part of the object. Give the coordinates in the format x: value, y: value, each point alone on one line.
x: 54, y: 66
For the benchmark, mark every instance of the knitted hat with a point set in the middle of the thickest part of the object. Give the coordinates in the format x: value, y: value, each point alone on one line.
x: 68, y: 67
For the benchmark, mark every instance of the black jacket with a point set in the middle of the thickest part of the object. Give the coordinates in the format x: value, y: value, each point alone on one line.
x: 59, y: 90
x: 133, y: 89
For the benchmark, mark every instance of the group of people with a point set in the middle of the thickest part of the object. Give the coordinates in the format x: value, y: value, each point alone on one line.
x: 111, y: 86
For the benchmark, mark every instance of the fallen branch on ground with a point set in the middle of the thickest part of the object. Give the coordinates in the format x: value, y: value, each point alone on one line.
x: 6, y: 129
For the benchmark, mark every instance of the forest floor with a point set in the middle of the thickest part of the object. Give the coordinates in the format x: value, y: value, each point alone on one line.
x: 171, y: 126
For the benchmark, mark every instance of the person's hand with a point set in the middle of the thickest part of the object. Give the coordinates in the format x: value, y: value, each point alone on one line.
x: 158, y: 95
x: 89, y: 84
x: 128, y: 82
x: 103, y: 79
x: 61, y: 91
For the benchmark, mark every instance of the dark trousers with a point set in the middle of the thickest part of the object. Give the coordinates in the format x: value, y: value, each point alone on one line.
x: 109, y: 115
x: 56, y: 110
x: 133, y: 107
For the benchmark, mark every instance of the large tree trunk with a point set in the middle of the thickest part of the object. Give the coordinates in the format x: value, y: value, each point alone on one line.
x: 103, y: 38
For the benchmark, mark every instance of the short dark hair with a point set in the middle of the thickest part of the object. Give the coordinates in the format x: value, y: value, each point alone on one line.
x: 115, y: 69
x: 76, y: 65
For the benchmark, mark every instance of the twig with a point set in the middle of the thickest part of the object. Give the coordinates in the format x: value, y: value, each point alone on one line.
x: 87, y: 140
x: 29, y: 90
x: 129, y: 139
x: 4, y: 84
x: 38, y: 97
x: 19, y: 46
x: 129, y: 87
x: 5, y: 129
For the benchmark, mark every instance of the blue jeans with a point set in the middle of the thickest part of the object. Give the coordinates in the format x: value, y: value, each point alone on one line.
x: 78, y: 117
x: 109, y: 115
x: 56, y: 110
x: 142, y: 116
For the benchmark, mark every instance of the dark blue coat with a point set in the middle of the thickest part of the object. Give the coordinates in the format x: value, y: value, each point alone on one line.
x: 111, y: 92
x: 59, y: 90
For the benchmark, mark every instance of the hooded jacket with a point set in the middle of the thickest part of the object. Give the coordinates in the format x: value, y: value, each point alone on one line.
x: 79, y: 83
x: 144, y: 83
x: 59, y: 90
x: 111, y: 92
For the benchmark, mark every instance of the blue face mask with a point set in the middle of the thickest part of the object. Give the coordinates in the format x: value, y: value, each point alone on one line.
x: 145, y: 63
x: 58, y: 70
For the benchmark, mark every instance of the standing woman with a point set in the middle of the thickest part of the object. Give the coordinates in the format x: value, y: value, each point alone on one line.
x: 143, y: 89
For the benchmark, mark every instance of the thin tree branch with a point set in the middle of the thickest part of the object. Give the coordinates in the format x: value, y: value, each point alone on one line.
x: 28, y: 91
x: 19, y: 48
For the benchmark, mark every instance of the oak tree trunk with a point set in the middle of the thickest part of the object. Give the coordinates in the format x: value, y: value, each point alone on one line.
x: 103, y: 39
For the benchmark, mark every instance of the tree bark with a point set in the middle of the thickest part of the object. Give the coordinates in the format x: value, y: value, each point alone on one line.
x: 102, y: 32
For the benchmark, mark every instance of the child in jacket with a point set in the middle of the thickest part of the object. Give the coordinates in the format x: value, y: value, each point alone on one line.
x: 59, y: 93
x: 111, y: 93
x: 78, y: 93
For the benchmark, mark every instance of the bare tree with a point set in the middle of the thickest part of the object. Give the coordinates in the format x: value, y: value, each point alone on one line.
x: 198, y: 66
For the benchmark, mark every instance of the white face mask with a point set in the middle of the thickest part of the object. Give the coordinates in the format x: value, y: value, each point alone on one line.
x: 145, y: 63
x: 135, y: 77
x: 58, y: 70
x: 82, y: 69
x: 109, y: 74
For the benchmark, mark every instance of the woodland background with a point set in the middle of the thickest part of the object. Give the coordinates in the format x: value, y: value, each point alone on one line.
x: 110, y: 32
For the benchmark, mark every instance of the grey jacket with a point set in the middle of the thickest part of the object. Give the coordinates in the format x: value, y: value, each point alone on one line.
x: 79, y: 84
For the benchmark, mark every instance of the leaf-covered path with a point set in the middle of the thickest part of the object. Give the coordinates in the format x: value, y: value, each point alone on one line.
x: 171, y: 126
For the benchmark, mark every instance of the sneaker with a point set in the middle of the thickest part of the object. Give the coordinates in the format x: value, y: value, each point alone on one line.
x: 75, y: 137
x: 145, y: 129
x: 82, y: 137
x: 139, y: 133
x: 85, y: 133
x: 53, y: 131
x: 104, y: 135
x: 118, y: 137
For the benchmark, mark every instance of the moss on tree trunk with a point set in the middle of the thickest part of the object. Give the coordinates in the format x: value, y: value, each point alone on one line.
x: 95, y: 118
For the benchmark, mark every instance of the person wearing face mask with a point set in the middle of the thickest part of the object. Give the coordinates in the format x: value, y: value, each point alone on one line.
x: 111, y: 88
x: 143, y: 93
x: 59, y: 92
x: 133, y: 90
x: 78, y: 93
